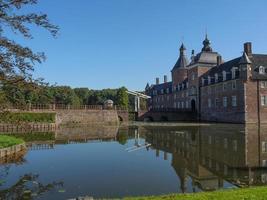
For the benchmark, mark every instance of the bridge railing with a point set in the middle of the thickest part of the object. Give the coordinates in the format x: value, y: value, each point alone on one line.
x: 32, y: 107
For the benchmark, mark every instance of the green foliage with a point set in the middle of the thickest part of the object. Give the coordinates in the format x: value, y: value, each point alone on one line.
x: 8, y: 141
x: 29, y: 137
x: 256, y: 193
x: 9, y: 117
x: 122, y: 97
x: 18, y: 60
x: 122, y: 137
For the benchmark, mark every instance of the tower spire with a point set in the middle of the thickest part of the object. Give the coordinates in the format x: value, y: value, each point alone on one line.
x: 182, y: 61
x: 206, y: 44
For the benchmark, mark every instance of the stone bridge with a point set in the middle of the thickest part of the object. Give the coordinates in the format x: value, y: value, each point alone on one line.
x: 163, y: 116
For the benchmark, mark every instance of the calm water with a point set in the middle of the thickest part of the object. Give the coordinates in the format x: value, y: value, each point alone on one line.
x: 114, y: 162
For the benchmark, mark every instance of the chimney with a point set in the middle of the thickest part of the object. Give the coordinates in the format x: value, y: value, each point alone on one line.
x: 157, y: 81
x: 165, y: 79
x: 219, y: 60
x: 248, y: 48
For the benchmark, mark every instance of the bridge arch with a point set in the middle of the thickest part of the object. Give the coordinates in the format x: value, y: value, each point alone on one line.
x: 148, y: 119
x: 164, y: 118
x: 120, y: 118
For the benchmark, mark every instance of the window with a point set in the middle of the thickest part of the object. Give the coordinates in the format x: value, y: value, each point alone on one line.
x: 203, y: 81
x: 174, y: 96
x: 225, y: 102
x: 224, y: 86
x: 209, y: 103
x: 193, y: 76
x: 264, y: 147
x: 186, y: 104
x: 234, y: 72
x: 209, y: 79
x: 224, y: 75
x: 182, y: 95
x: 235, y: 145
x: 264, y: 178
x: 216, y: 102
x: 168, y: 91
x: 234, y: 103
x: 263, y: 100
x: 234, y: 85
x: 186, y: 85
x: 216, y: 78
x: 182, y: 104
x: 174, y: 104
x: 186, y: 94
x: 162, y: 91
x: 261, y: 70
x: 178, y: 106
x: 168, y: 98
x: 210, y: 139
x: 225, y: 143
x: 264, y: 163
x: 263, y: 84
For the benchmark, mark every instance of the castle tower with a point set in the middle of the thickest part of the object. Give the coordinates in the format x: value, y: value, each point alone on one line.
x: 179, y: 71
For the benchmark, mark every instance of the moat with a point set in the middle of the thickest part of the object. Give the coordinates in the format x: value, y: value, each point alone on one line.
x: 114, y: 162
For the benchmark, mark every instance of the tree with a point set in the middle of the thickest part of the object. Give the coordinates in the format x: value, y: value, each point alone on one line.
x: 83, y: 94
x: 122, y: 97
x: 17, y: 62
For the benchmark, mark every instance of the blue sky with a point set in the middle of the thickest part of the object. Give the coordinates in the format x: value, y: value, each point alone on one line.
x: 113, y: 43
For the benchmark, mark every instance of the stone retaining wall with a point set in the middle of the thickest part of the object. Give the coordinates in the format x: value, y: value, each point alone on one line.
x: 12, y: 150
x: 86, y: 116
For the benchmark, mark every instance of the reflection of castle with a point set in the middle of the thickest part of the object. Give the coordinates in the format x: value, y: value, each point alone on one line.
x: 208, y: 155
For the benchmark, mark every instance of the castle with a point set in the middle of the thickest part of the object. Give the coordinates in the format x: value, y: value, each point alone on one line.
x: 234, y: 91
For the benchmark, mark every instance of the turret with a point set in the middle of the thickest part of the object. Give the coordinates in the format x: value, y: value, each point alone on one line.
x: 179, y: 71
x: 206, y: 45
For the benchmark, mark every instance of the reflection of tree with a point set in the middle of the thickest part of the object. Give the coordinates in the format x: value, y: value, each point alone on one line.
x: 27, y: 187
x: 122, y: 137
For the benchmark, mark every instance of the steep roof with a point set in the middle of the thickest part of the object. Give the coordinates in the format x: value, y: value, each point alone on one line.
x: 182, y: 61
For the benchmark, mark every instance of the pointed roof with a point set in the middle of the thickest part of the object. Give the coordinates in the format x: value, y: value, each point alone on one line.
x: 147, y: 86
x: 182, y: 61
x: 244, y: 59
x: 206, y: 45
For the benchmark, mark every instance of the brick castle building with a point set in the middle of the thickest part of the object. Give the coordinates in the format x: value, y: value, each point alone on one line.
x: 234, y: 91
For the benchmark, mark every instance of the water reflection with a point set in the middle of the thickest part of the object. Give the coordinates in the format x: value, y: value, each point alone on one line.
x: 210, y: 155
x: 96, y: 163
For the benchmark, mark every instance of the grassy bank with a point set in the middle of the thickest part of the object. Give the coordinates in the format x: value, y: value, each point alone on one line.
x: 29, y: 137
x: 256, y: 193
x: 10, y: 117
x: 7, y: 141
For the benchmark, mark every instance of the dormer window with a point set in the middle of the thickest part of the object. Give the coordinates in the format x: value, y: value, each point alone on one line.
x: 186, y: 85
x: 216, y: 78
x: 209, y: 79
x: 162, y: 91
x: 203, y: 81
x: 261, y: 70
x: 224, y: 75
x: 234, y: 72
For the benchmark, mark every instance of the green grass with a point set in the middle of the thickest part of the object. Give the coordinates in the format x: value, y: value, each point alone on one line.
x: 9, y: 117
x: 7, y: 141
x: 255, y: 193
x: 29, y: 137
